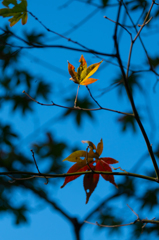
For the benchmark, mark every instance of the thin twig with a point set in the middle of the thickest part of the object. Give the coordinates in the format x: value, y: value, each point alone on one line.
x: 144, y: 22
x: 137, y: 35
x: 20, y: 179
x: 151, y: 67
x: 139, y: 25
x: 38, y: 167
x: 119, y: 168
x: 109, y: 226
x: 93, y: 97
x: 76, y: 96
x: 33, y: 45
x: 63, y: 36
x: 35, y: 161
x: 120, y: 26
x: 146, y: 221
x: 76, y: 108
x: 47, y: 175
x: 133, y: 211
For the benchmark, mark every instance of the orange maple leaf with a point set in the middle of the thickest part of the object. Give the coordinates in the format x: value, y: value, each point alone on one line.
x: 83, y: 72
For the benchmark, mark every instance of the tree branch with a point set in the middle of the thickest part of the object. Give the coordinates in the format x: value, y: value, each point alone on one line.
x: 76, y: 108
x: 47, y: 175
x: 149, y: 147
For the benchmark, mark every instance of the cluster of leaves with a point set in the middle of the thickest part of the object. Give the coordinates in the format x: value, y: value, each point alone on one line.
x: 91, y: 162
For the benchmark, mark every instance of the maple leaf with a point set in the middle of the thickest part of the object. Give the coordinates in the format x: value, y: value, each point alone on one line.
x: 17, y: 12
x: 92, y: 162
x: 83, y: 72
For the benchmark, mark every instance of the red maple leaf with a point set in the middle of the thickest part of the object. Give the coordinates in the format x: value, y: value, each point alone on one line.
x: 99, y: 164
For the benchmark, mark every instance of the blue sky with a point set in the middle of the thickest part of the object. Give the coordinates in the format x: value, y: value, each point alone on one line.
x: 126, y: 148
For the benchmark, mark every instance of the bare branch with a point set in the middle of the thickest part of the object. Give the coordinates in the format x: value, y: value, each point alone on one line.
x: 120, y: 26
x: 146, y: 221
x: 149, y: 147
x: 47, y: 175
x: 37, y: 166
x: 76, y: 108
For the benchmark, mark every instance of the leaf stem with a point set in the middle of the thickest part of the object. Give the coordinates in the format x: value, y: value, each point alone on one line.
x: 76, y: 95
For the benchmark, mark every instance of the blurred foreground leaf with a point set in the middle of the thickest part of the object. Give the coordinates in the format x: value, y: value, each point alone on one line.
x: 79, y: 115
x: 17, y: 12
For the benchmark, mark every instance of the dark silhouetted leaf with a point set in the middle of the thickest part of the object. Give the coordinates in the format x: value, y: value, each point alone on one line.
x: 79, y: 115
x: 149, y: 199
x: 154, y: 61
x: 133, y: 82
x: 105, y: 2
x: 34, y: 37
x: 126, y: 122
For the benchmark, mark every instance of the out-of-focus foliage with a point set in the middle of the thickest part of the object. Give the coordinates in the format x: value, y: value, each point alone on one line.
x: 127, y: 122
x: 85, y: 102
x: 133, y: 81
x: 13, y: 79
x: 17, y: 12
x: 34, y: 37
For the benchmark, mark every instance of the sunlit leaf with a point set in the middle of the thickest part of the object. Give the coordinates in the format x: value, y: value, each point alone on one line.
x: 103, y: 166
x: 90, y: 71
x: 100, y: 147
x: 109, y: 160
x: 83, y: 73
x: 83, y: 61
x: 19, y: 11
x: 76, y: 156
x: 72, y: 72
x: 91, y: 145
x: 90, y: 182
x: 77, y: 167
x: 82, y: 66
x: 88, y: 81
